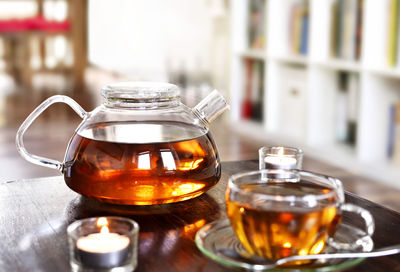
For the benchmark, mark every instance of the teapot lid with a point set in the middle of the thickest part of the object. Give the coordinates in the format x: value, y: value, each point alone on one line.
x: 140, y: 91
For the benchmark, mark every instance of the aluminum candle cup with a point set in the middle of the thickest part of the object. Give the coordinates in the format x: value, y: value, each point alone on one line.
x: 286, y: 158
x: 103, y: 243
x: 102, y: 250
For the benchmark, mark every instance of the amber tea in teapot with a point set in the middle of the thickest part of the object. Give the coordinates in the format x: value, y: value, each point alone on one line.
x: 142, y: 171
x: 142, y: 146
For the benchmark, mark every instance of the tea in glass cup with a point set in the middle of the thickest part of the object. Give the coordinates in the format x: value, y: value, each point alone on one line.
x: 277, y: 214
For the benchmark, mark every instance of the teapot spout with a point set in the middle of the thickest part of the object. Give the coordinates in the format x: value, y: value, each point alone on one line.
x: 211, y: 106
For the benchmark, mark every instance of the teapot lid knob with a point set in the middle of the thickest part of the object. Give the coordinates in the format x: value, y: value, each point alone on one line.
x: 139, y: 90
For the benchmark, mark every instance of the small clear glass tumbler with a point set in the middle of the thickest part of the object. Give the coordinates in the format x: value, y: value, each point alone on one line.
x: 279, y: 157
x: 103, y: 244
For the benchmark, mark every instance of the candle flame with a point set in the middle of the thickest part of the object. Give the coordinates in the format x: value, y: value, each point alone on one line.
x: 103, y: 223
x: 104, y: 229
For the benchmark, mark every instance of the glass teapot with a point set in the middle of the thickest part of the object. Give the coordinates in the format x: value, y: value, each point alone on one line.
x: 142, y: 146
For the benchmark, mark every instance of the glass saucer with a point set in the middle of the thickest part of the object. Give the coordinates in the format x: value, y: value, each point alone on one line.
x: 218, y: 241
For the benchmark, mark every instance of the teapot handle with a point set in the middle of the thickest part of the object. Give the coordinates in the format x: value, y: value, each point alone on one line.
x: 32, y: 117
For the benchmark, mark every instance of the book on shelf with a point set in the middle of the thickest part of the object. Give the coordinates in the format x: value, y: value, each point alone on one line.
x: 398, y: 35
x: 347, y: 107
x: 359, y: 29
x: 258, y: 91
x: 353, y: 108
x: 334, y: 30
x: 246, y: 107
x: 346, y: 29
x: 341, y: 108
x: 393, y: 33
x: 304, y: 34
x: 299, y: 23
x: 391, y: 132
x: 252, y: 104
x: 393, y: 147
x: 349, y: 9
x: 256, y: 24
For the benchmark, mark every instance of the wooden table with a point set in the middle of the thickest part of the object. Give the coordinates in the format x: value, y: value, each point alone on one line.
x: 34, y: 215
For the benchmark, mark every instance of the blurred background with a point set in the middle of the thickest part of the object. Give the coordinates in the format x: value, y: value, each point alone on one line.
x: 319, y: 75
x: 74, y: 47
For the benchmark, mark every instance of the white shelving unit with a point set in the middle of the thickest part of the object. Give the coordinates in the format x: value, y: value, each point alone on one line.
x: 306, y: 117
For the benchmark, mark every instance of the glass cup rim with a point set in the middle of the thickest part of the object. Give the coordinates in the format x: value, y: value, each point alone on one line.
x: 296, y: 151
x: 335, y: 183
x: 74, y: 225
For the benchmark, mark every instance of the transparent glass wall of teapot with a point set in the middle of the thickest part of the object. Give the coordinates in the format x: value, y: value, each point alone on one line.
x: 142, y: 146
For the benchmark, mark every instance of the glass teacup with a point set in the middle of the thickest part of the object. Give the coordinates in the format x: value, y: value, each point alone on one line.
x: 276, y: 214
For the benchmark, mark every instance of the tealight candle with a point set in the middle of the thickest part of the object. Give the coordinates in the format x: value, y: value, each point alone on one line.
x: 279, y: 162
x: 103, y: 243
x: 104, y: 249
x: 280, y: 158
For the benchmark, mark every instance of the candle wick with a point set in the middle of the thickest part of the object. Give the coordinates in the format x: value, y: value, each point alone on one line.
x: 104, y: 229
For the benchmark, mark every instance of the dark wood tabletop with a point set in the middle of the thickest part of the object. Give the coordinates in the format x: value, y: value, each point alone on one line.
x: 34, y: 215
